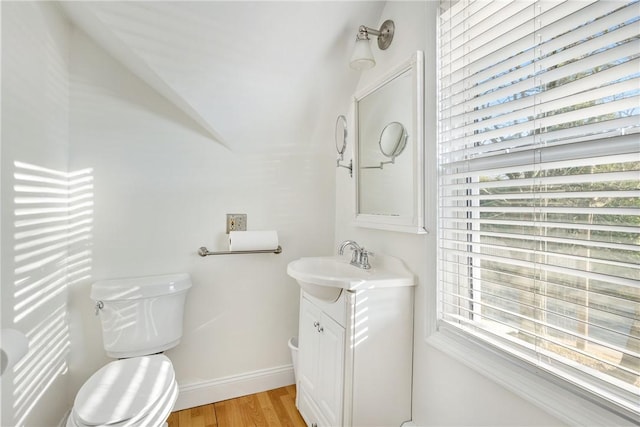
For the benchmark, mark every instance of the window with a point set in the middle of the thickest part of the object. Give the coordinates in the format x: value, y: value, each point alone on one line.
x: 539, y: 186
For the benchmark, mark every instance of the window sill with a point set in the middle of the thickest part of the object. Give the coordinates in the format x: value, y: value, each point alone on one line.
x: 567, y: 403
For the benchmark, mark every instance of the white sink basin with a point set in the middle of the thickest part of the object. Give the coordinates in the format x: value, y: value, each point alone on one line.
x: 327, y: 277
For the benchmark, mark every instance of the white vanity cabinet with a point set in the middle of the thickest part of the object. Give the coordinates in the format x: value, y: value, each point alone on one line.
x: 321, y: 366
x: 355, y: 358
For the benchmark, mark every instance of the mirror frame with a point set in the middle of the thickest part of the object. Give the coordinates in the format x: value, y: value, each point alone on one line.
x: 414, y: 223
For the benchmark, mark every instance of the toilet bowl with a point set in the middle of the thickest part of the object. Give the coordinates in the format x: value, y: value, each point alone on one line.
x: 140, y: 317
x: 140, y: 391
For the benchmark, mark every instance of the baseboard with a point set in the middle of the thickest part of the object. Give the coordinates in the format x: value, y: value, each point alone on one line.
x: 204, y: 392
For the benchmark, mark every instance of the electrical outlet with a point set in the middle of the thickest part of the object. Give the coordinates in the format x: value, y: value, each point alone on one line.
x: 236, y: 222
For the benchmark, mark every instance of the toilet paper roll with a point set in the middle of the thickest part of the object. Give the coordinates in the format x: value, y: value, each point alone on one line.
x: 253, y: 240
x: 13, y: 346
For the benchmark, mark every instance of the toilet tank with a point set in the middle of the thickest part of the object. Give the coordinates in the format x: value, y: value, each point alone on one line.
x: 141, y: 315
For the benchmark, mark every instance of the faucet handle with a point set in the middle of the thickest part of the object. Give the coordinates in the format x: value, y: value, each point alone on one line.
x: 364, y: 259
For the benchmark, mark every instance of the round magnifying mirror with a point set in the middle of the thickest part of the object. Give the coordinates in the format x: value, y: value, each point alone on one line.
x: 341, y: 134
x: 393, y: 139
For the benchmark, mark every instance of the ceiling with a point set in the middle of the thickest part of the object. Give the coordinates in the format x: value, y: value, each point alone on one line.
x: 249, y: 73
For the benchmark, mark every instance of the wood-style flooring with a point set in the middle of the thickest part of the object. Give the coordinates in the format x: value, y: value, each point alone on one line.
x: 273, y: 408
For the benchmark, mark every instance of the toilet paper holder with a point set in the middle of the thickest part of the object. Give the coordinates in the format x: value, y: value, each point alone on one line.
x: 203, y: 251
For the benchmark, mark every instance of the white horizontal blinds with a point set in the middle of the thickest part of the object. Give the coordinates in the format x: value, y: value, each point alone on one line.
x: 540, y: 184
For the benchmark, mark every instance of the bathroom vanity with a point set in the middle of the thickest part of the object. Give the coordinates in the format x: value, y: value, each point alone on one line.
x: 355, y: 345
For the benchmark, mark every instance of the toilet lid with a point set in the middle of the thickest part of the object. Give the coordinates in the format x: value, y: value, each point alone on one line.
x: 123, y: 389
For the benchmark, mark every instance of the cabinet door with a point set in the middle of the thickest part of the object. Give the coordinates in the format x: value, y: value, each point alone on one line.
x: 309, y: 344
x: 331, y: 370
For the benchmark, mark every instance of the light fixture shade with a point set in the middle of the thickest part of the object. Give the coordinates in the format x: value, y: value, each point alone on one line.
x: 362, y: 57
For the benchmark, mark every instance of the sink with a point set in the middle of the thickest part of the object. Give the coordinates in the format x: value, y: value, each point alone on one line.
x: 326, y: 277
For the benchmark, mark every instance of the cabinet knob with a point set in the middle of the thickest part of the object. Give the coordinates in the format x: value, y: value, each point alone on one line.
x: 320, y: 329
x: 316, y: 324
x: 314, y: 424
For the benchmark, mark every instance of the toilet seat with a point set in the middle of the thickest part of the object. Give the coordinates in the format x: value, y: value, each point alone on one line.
x: 128, y: 392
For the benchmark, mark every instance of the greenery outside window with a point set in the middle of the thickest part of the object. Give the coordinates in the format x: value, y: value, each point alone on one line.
x: 539, y: 186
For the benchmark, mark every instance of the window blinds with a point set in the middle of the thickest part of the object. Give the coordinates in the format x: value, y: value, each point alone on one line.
x: 539, y: 186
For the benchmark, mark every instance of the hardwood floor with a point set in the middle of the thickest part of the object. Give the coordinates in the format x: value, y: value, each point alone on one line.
x: 273, y: 408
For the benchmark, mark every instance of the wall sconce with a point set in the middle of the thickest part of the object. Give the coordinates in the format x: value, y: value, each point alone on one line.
x: 362, y: 57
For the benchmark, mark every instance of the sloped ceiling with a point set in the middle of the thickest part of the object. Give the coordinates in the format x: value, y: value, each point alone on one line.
x: 249, y: 73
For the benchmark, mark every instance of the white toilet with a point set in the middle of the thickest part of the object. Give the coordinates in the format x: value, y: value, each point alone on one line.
x: 141, y: 317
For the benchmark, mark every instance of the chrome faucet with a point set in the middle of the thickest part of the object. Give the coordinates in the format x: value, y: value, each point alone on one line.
x: 360, y: 257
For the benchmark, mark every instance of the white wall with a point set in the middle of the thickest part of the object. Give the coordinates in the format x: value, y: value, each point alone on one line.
x: 445, y: 392
x: 35, y: 132
x: 160, y: 189
x: 163, y: 189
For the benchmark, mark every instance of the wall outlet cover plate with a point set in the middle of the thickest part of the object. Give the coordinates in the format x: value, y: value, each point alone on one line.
x: 236, y: 222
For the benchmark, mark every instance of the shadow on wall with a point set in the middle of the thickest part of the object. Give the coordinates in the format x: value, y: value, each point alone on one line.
x: 52, y: 224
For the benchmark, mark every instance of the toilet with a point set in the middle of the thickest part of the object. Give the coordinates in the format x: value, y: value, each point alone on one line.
x: 141, y: 317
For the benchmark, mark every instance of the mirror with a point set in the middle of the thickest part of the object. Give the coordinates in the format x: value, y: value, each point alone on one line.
x: 341, y: 135
x: 389, y: 153
x: 393, y: 139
